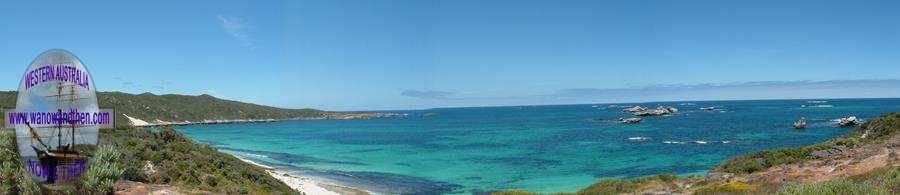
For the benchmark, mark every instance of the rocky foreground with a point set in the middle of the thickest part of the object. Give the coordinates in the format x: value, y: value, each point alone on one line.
x: 125, y: 187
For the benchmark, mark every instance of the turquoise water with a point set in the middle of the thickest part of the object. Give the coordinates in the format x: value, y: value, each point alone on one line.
x: 537, y: 148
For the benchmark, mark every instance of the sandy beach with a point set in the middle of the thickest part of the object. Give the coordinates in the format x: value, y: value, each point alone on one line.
x: 307, y: 185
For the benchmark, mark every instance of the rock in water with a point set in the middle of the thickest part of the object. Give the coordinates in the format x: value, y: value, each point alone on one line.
x: 635, y: 109
x: 661, y: 110
x: 630, y: 120
x: 849, y: 121
x: 800, y: 124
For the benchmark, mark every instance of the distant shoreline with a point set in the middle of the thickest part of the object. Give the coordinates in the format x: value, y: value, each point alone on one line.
x: 339, y: 116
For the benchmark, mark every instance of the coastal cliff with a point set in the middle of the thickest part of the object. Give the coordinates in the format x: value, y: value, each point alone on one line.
x: 864, y: 161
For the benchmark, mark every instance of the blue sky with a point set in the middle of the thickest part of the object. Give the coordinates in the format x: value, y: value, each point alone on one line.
x: 374, y: 55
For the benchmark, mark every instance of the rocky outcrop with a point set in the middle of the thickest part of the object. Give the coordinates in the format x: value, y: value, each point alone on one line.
x: 819, y: 154
x: 836, y: 162
x: 629, y: 120
x: 634, y: 109
x: 661, y: 110
x: 849, y: 121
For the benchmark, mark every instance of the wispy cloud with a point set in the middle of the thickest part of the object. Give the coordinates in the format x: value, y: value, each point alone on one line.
x: 237, y: 29
x: 131, y: 85
x: 161, y: 85
x: 746, y: 90
x: 427, y: 94
x: 872, y: 88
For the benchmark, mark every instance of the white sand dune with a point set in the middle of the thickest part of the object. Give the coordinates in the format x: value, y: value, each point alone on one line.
x: 136, y: 122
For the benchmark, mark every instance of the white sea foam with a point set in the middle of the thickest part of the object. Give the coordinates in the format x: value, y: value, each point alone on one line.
x: 639, y: 138
x: 695, y: 142
x: 253, y: 162
x: 258, y: 155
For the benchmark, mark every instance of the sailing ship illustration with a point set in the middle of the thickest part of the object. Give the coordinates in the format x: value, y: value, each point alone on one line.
x: 62, y: 162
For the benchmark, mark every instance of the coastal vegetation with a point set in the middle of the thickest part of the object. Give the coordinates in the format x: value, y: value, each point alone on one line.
x: 875, y: 131
x: 158, y: 157
x: 881, y: 181
x: 106, y: 166
x: 13, y: 176
x: 105, y: 169
x: 178, y: 108
x: 169, y: 157
x: 138, y: 154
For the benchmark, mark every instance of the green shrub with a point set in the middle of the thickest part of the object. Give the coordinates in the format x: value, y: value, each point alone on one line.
x: 667, y: 178
x: 833, y: 187
x: 880, y: 181
x: 727, y: 188
x: 612, y: 186
x: 14, y: 178
x: 103, y: 171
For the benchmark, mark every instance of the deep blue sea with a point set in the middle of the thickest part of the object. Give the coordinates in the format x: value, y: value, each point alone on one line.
x: 559, y: 148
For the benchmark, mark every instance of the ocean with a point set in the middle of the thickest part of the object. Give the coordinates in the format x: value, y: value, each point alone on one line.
x: 556, y: 148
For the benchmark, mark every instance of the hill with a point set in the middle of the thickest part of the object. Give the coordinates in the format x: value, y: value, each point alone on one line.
x: 180, y: 108
x: 172, y: 108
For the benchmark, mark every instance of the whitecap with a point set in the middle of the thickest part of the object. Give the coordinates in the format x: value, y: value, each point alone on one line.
x: 639, y: 138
